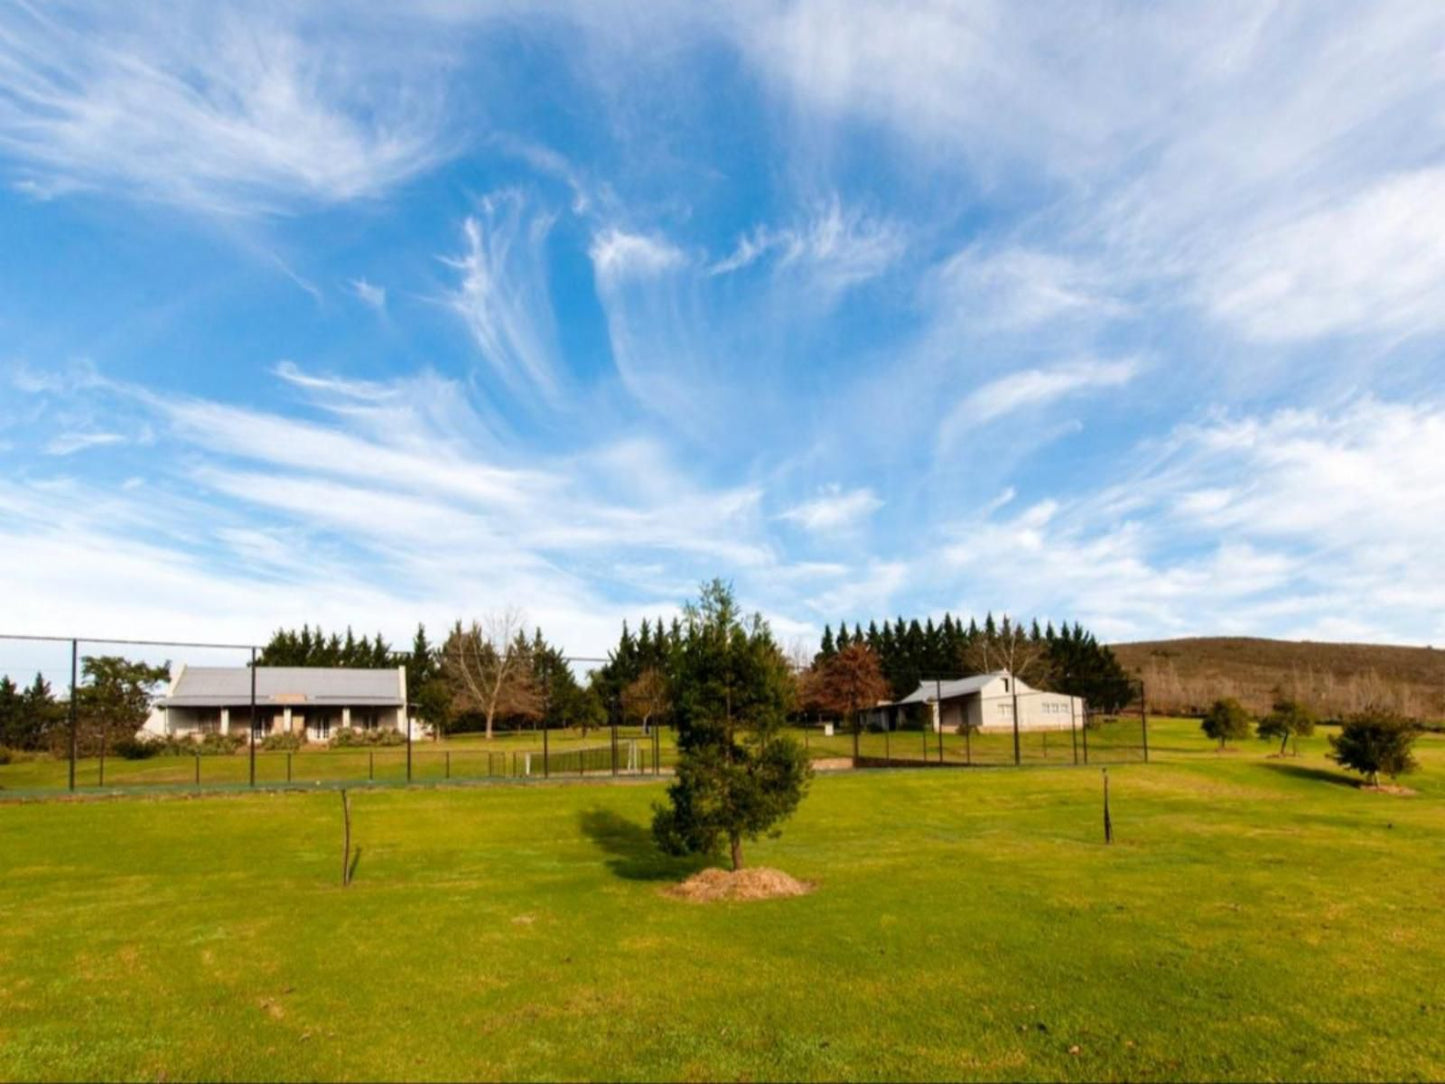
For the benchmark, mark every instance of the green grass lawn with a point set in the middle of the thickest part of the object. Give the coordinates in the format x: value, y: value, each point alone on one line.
x: 1255, y: 918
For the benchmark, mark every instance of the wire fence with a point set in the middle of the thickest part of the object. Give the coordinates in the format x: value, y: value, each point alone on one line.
x: 1100, y: 740
x: 240, y: 743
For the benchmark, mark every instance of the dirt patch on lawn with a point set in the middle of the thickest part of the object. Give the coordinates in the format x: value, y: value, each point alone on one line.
x: 1391, y: 788
x: 832, y: 764
x: 762, y: 883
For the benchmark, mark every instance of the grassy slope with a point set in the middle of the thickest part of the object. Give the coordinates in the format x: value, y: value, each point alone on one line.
x: 1255, y: 919
x: 1205, y: 667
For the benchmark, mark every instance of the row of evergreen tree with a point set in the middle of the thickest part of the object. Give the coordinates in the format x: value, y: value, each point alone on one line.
x: 1068, y: 660
x: 28, y: 715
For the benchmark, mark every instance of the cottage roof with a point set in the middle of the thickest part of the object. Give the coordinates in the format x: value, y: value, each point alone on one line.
x: 227, y: 686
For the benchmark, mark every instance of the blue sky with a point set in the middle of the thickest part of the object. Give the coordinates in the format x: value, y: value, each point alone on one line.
x: 1125, y: 313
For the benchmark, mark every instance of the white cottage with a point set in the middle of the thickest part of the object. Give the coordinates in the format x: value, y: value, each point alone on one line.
x: 315, y: 701
x: 986, y: 702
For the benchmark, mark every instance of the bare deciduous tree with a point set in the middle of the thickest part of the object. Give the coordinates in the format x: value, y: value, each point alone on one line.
x: 646, y: 698
x: 489, y: 666
x: 1011, y: 649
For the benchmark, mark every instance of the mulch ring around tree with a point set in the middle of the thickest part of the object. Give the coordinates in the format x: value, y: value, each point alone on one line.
x: 712, y: 885
x: 1390, y: 788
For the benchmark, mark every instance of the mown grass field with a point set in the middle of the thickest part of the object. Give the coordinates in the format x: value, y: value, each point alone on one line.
x: 1255, y: 919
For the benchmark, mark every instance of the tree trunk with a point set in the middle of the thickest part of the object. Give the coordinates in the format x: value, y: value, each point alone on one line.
x: 491, y: 714
x: 1284, y: 743
x: 737, y: 851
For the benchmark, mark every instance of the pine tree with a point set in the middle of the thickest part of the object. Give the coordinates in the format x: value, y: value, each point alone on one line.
x: 827, y: 649
x: 738, y: 774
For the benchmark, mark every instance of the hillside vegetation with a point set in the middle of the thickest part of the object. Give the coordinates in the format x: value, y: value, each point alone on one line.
x: 1186, y: 675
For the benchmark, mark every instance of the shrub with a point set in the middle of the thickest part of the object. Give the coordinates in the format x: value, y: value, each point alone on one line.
x: 1289, y: 719
x: 217, y: 744
x: 1375, y: 740
x: 348, y: 737
x: 1226, y: 719
x: 136, y: 748
x: 5, y: 755
x: 283, y: 742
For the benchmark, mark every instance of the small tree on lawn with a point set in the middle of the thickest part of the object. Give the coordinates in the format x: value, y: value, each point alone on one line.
x: 1373, y: 741
x: 1288, y: 719
x: 738, y: 775
x: 1226, y: 720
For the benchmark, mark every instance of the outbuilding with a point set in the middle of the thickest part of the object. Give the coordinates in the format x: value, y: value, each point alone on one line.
x: 310, y: 700
x: 987, y: 702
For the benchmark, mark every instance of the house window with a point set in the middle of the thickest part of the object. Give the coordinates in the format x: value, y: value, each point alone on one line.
x: 1005, y: 710
x: 321, y: 727
x: 208, y: 721
x: 365, y: 719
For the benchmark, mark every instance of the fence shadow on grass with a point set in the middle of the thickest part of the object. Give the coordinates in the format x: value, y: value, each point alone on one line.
x: 635, y: 857
x: 1313, y: 775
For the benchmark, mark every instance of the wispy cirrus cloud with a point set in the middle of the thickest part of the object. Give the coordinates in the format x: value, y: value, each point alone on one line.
x: 618, y: 255
x: 835, y: 248
x: 211, y: 108
x: 70, y: 443
x: 1306, y: 522
x: 1033, y: 388
x: 1375, y: 263
x: 503, y: 294
x: 834, y: 509
x: 369, y: 294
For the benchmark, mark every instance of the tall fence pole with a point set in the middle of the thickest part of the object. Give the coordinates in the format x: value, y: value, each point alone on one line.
x: 74, y: 674
x: 1013, y: 684
x: 1085, y: 733
x: 937, y: 719
x: 408, y: 744
x: 253, y: 717
x: 1074, y: 729
x: 1144, y: 721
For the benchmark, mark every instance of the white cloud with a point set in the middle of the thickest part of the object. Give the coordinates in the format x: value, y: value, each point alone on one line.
x: 618, y: 255
x: 70, y: 443
x: 383, y: 486
x: 1297, y: 523
x: 370, y: 294
x: 220, y: 109
x: 868, y: 590
x: 1030, y: 388
x: 834, y: 510
x: 1019, y: 288
x: 1373, y: 263
x: 837, y: 249
x: 503, y: 295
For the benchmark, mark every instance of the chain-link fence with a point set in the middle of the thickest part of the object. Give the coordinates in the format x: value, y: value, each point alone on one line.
x: 87, y: 714
x: 80, y: 715
x: 923, y: 738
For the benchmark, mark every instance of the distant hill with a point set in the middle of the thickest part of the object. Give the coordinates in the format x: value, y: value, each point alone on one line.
x: 1185, y: 676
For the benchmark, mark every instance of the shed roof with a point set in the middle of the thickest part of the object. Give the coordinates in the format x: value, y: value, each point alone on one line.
x: 949, y: 690
x: 223, y: 686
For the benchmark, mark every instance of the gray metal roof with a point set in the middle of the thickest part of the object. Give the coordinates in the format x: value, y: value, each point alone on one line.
x: 949, y: 690
x: 223, y: 686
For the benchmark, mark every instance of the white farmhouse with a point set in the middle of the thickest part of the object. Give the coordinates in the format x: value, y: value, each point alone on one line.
x: 986, y: 702
x: 315, y: 701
